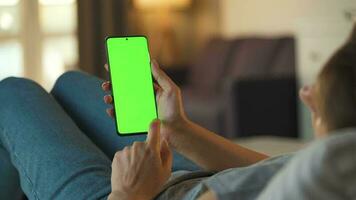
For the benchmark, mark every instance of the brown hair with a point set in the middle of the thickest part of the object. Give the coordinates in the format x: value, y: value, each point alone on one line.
x: 337, y: 87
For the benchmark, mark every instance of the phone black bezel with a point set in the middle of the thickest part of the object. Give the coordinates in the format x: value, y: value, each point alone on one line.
x: 112, y: 91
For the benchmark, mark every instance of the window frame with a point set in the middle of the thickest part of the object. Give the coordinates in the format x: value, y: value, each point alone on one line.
x: 31, y: 37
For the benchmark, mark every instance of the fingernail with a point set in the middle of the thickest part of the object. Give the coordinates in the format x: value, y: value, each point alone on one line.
x: 107, y: 98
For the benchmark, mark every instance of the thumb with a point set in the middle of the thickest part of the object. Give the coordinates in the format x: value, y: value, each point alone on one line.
x: 166, y: 154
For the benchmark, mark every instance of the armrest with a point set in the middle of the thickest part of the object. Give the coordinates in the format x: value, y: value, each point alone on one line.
x: 265, y: 106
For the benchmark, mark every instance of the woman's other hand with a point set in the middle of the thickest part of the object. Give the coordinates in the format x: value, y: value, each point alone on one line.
x: 141, y: 170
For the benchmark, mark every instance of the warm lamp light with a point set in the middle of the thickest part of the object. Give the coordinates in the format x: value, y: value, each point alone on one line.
x: 145, y: 4
x: 56, y: 2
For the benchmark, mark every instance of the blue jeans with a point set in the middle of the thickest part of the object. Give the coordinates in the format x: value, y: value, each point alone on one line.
x: 59, y: 145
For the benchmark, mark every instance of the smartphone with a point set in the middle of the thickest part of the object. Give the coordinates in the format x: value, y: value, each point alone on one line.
x: 132, y: 84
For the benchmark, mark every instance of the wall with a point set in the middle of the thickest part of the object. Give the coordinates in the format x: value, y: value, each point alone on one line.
x: 176, y: 35
x: 242, y: 17
x: 320, y: 26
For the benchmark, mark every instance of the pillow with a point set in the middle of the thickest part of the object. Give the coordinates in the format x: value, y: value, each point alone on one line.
x: 324, y: 170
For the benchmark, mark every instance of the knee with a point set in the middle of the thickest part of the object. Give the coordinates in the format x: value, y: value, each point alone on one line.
x: 14, y: 80
x: 14, y: 86
x: 69, y: 76
x: 73, y: 78
x: 66, y: 79
x: 11, y: 79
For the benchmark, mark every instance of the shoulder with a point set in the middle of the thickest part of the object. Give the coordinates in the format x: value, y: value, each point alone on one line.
x: 323, y: 170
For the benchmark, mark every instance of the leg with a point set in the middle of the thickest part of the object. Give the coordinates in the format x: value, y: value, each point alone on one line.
x: 54, y: 159
x: 9, y: 181
x: 81, y: 96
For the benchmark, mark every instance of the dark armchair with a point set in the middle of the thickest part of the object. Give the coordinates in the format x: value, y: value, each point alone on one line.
x: 262, y: 107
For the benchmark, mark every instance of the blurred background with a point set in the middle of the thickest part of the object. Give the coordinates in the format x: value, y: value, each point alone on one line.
x: 239, y: 62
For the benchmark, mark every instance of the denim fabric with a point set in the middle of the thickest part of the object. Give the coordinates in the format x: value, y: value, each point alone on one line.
x: 9, y: 181
x: 53, y: 157
x: 61, y: 144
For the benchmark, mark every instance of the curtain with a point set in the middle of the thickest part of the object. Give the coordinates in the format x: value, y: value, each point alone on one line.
x: 98, y: 19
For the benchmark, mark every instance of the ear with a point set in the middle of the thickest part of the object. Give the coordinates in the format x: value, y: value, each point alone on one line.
x: 305, y: 94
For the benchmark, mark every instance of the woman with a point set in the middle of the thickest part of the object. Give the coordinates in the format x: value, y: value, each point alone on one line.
x: 62, y: 146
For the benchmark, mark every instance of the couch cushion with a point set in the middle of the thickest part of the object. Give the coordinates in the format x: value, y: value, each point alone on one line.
x: 283, y: 64
x: 252, y: 57
x: 324, y: 170
x: 207, y: 71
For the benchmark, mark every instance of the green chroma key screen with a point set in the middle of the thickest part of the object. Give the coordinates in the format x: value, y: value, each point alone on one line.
x: 132, y: 86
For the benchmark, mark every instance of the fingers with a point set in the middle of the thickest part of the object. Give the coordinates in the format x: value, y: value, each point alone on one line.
x: 162, y: 148
x: 108, y: 99
x: 156, y: 86
x: 106, y: 86
x: 158, y: 90
x: 162, y: 78
x: 138, y: 149
x: 166, y: 154
x: 110, y: 112
x: 116, y: 158
x: 153, y: 137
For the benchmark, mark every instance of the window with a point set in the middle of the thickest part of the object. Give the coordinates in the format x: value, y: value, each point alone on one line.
x: 38, y: 39
x: 11, y: 50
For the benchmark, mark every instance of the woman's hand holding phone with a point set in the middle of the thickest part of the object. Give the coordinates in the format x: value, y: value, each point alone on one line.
x: 169, y: 104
